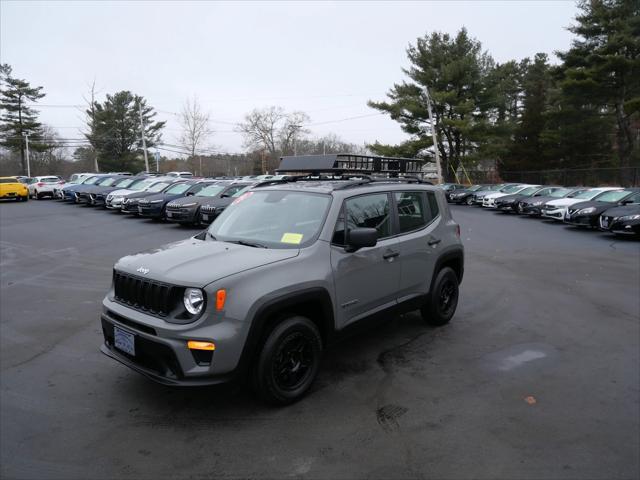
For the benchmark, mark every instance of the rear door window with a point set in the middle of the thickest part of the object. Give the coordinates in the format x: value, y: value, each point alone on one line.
x: 412, y: 210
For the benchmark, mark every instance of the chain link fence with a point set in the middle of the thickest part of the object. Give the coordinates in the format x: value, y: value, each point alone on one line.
x: 625, y: 176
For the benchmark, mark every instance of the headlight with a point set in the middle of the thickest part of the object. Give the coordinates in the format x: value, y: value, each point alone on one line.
x: 155, y: 201
x: 193, y: 300
x: 627, y: 218
x: 586, y: 211
x: 189, y: 204
x: 537, y: 204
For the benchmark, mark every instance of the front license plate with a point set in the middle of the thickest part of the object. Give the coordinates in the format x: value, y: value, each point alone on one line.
x: 205, y: 218
x: 124, y: 341
x: 169, y: 214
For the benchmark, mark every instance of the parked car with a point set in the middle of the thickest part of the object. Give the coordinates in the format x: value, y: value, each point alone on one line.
x: 85, y: 194
x: 509, y: 203
x: 130, y: 201
x: 272, y: 282
x: 187, y: 210
x: 478, y: 195
x: 465, y: 195
x: 489, y: 200
x: 11, y: 187
x: 533, y: 205
x: 153, y: 206
x: 40, y: 187
x: 623, y: 220
x: 68, y: 191
x: 113, y: 200
x: 214, y: 206
x: 587, y: 214
x: 554, y: 209
x: 179, y: 174
x: 98, y: 197
x: 451, y: 187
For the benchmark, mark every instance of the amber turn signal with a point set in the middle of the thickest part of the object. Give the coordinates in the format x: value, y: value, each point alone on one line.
x: 197, y: 345
x: 221, y: 297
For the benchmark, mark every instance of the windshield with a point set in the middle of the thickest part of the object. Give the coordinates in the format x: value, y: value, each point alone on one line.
x: 494, y: 187
x: 511, y: 189
x: 242, y: 191
x: 141, y: 185
x: 124, y: 183
x: 49, y: 180
x: 108, y: 182
x: 475, y: 188
x: 588, y: 194
x: 273, y: 219
x: 210, y: 191
x: 158, y: 187
x: 91, y: 180
x: 529, y: 191
x: 559, y: 193
x: 179, y: 188
x: 614, y: 196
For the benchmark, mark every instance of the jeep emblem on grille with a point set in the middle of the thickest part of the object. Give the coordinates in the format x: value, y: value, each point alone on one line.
x: 143, y: 270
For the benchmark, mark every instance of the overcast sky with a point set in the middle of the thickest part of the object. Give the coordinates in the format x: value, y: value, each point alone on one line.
x: 324, y: 58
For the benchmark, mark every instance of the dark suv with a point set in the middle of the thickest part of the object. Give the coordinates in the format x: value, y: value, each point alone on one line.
x: 285, y: 270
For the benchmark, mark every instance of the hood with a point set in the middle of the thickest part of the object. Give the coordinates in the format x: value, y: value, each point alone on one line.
x: 218, y: 202
x: 622, y: 211
x: 197, y: 263
x: 599, y: 206
x: 511, y: 197
x: 140, y: 194
x: 564, y: 202
x: 496, y: 195
x: 121, y: 191
x: 160, y: 196
x: 192, y: 199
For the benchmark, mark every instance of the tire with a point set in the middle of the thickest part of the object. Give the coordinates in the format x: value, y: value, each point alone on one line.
x: 443, y: 298
x: 24, y: 199
x: 36, y: 195
x: 469, y: 201
x: 295, y: 340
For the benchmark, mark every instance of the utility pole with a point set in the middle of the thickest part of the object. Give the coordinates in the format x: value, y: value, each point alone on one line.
x: 433, y: 136
x: 26, y: 138
x: 144, y: 140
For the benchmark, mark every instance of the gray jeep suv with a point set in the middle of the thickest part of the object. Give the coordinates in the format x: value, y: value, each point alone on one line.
x: 284, y: 271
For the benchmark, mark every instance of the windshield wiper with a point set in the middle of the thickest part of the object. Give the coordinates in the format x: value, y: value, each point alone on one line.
x: 247, y: 244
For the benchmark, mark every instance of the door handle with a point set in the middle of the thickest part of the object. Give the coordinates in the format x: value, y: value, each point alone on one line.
x: 389, y: 255
x: 434, y: 241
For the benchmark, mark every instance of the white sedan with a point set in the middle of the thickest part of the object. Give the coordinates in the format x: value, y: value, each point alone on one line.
x: 555, y: 209
x: 43, y: 186
x: 489, y: 200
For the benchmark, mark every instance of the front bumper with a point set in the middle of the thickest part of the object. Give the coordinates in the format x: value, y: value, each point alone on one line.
x: 182, y: 215
x: 161, y: 352
x: 488, y: 203
x: 555, y: 214
x: 150, y: 210
x: 580, y: 220
x: 615, y: 225
x: 207, y: 216
x: 129, y: 208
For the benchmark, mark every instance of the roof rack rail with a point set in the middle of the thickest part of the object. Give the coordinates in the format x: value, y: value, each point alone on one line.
x: 339, y: 163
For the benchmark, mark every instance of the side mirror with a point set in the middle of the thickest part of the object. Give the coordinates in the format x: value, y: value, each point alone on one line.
x: 361, y: 237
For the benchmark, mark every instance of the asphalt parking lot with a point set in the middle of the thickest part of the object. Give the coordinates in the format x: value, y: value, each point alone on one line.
x: 537, y: 376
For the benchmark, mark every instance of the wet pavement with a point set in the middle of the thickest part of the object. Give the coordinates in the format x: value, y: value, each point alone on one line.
x: 537, y: 376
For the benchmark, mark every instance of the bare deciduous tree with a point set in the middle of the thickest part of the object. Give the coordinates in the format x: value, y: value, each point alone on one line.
x: 273, y: 130
x: 195, y: 128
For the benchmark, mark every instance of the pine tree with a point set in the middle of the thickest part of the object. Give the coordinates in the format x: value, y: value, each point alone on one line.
x: 600, y: 82
x: 18, y: 118
x: 114, y: 131
x: 454, y: 69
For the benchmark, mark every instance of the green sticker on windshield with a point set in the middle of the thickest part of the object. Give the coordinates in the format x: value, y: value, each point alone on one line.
x: 294, y: 238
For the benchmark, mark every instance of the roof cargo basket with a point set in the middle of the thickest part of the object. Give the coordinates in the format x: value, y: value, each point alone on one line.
x: 344, y: 163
